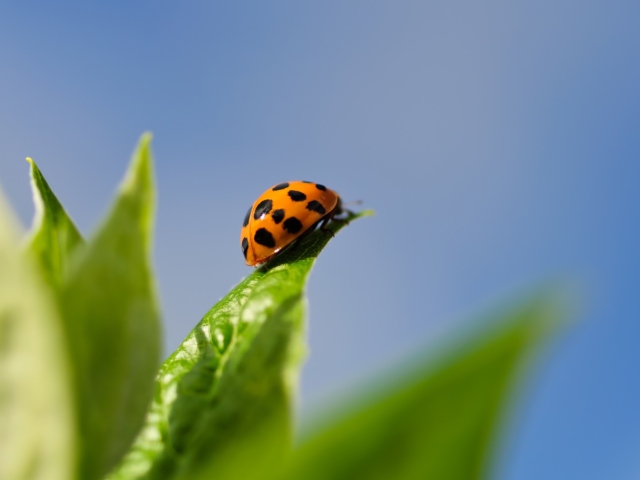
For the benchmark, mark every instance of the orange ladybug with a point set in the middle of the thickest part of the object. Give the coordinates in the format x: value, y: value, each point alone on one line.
x: 282, y: 214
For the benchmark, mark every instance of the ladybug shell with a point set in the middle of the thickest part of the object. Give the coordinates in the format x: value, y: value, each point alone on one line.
x: 282, y: 214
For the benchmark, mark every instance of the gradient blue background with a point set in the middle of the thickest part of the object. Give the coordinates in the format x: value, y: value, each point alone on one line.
x: 498, y: 142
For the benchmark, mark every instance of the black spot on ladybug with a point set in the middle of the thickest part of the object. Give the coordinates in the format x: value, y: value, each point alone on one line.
x: 263, y: 208
x: 264, y: 238
x: 316, y: 206
x: 306, y: 181
x: 246, y: 218
x: 292, y: 225
x: 245, y: 246
x: 321, y: 187
x: 297, y: 196
x: 280, y: 186
x: 278, y: 215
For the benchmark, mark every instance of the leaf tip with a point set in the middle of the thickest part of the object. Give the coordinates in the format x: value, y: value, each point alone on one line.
x: 560, y: 303
x: 140, y: 171
x: 34, y: 170
x: 36, y: 193
x: 143, y: 151
x: 356, y: 215
x: 367, y: 213
x: 144, y: 146
x: 146, y: 137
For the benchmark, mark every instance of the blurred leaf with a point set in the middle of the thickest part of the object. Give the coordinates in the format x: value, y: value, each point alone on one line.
x: 223, y: 399
x: 37, y: 430
x: 440, y: 423
x: 108, y: 303
x: 54, y: 235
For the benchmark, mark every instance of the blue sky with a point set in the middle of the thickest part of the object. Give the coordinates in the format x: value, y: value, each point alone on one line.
x: 497, y: 142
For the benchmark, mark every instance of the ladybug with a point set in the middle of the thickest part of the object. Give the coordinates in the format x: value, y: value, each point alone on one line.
x: 283, y: 214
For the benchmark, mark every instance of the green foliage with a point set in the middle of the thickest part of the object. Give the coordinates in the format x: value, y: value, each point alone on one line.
x: 233, y: 379
x: 37, y: 438
x: 440, y: 419
x: 79, y: 352
x: 54, y: 236
x: 104, y: 294
x: 112, y: 321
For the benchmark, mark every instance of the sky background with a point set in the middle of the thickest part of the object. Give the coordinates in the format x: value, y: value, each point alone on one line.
x: 498, y: 142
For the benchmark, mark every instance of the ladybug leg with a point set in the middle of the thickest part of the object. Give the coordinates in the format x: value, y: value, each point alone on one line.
x: 324, y: 228
x: 336, y: 218
x: 341, y: 220
x: 294, y: 246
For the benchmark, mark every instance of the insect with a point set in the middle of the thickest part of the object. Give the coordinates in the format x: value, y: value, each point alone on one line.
x: 283, y: 214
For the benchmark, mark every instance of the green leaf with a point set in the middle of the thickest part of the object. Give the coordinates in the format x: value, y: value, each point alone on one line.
x: 441, y: 421
x: 37, y: 429
x: 223, y: 398
x: 54, y: 235
x: 108, y: 303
